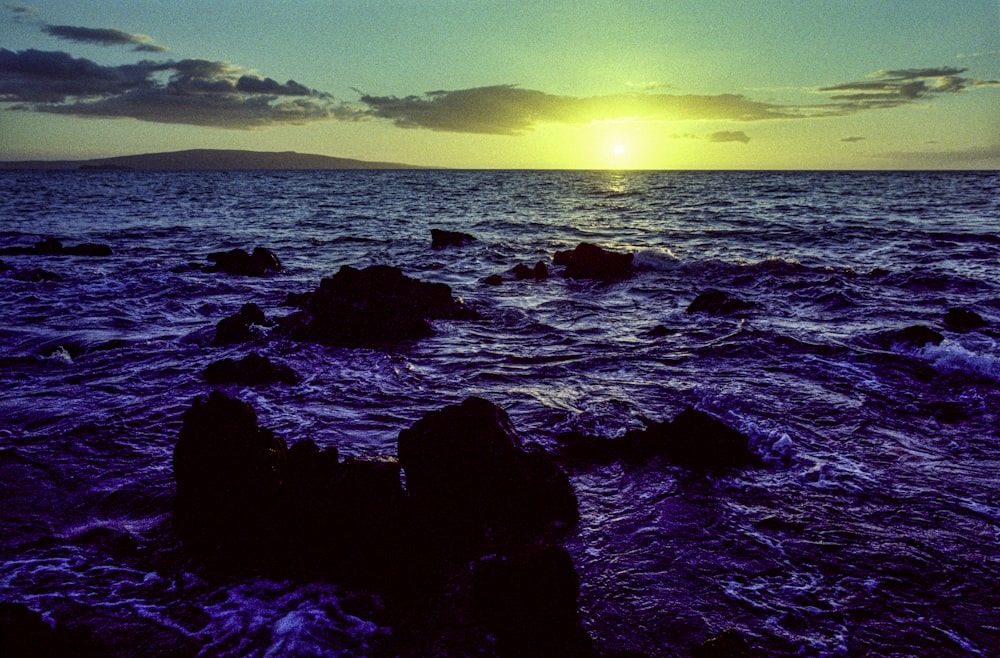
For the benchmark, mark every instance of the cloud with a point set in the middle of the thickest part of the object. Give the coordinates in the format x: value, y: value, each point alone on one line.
x: 729, y: 136
x: 853, y: 139
x: 190, y: 91
x: 899, y: 87
x: 103, y: 37
x: 979, y: 157
x: 21, y: 9
x: 511, y: 110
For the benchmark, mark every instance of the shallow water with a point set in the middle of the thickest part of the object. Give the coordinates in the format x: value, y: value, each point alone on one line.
x: 872, y: 529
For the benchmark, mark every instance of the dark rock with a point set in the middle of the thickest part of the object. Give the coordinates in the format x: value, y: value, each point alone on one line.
x: 659, y: 331
x: 441, y: 238
x: 236, y: 328
x: 528, y: 600
x: 493, y: 280
x: 53, y: 247
x: 25, y: 634
x: 239, y: 262
x: 718, y: 302
x: 466, y: 470
x: 539, y: 272
x: 962, y: 319
x: 915, y: 336
x: 693, y: 439
x: 36, y: 275
x: 297, y: 299
x: 727, y: 644
x: 375, y: 305
x: 228, y: 471
x: 696, y: 439
x: 589, y: 261
x: 97, y: 250
x: 4, y: 266
x: 252, y: 370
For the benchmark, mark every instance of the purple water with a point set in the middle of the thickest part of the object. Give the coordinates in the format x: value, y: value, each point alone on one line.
x: 873, y: 528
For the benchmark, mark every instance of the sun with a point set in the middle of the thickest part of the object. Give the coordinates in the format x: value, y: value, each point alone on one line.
x: 618, y: 149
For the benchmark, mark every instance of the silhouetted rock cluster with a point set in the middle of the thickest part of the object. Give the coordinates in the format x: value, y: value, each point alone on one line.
x: 237, y: 328
x: 370, y: 306
x: 914, y: 336
x: 962, y: 319
x: 588, y: 261
x: 520, y: 272
x: 54, y: 247
x: 244, y: 499
x: 718, y: 302
x: 25, y: 634
x: 252, y: 370
x: 441, y: 238
x: 692, y: 439
x: 237, y: 261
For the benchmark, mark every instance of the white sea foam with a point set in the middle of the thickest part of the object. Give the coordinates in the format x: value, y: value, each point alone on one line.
x: 951, y: 357
x: 655, y: 259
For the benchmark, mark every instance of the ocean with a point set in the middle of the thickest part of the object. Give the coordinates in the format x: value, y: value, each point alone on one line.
x: 871, y: 528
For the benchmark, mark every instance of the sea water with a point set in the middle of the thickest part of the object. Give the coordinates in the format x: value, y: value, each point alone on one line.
x: 873, y: 527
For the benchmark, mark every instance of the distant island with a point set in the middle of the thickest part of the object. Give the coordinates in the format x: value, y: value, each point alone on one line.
x: 208, y: 159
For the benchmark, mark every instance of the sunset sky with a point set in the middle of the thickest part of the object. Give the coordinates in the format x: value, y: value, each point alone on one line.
x: 754, y: 84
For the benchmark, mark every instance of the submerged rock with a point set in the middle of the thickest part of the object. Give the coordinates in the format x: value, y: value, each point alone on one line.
x: 466, y: 470
x: 253, y: 370
x: 718, y: 302
x: 528, y: 600
x: 914, y: 336
x: 236, y: 328
x: 441, y: 238
x: 371, y: 306
x: 588, y: 261
x: 237, y: 261
x: 692, y: 439
x: 962, y: 319
x: 25, y: 634
x: 54, y: 247
x: 36, y: 275
x: 539, y: 272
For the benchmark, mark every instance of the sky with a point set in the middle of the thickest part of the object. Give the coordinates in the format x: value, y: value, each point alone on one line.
x: 587, y: 84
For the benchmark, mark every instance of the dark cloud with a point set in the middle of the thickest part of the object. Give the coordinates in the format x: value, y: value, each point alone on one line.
x: 979, y: 157
x: 104, y: 37
x: 729, y: 136
x: 21, y: 9
x: 510, y: 110
x: 899, y: 87
x: 853, y: 139
x: 191, y: 91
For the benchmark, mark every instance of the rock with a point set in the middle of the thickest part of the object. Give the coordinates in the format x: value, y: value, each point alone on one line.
x: 87, y: 249
x: 693, y: 439
x: 239, y: 262
x: 228, y: 471
x: 493, y: 280
x: 727, y: 644
x: 539, y: 272
x: 252, y: 370
x: 589, y: 261
x: 441, y: 238
x: 659, y: 331
x: 372, y: 306
x: 236, y: 327
x: 697, y: 440
x: 53, y: 247
x: 25, y: 634
x: 962, y: 319
x: 914, y: 336
x: 36, y: 275
x: 466, y: 470
x: 4, y: 266
x: 527, y: 598
x: 718, y: 302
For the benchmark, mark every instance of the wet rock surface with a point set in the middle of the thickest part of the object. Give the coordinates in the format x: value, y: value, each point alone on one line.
x: 588, y: 261
x: 374, y: 305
